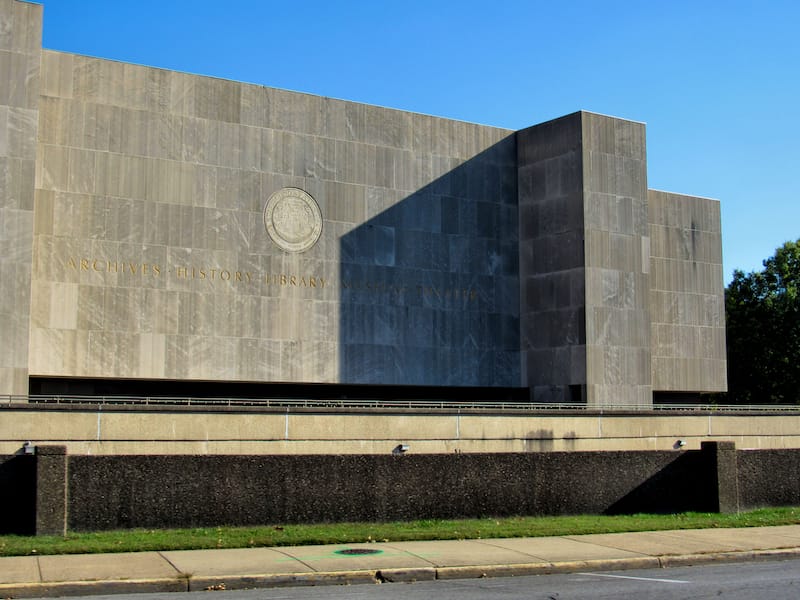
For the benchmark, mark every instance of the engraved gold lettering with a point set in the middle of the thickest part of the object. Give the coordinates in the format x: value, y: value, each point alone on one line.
x: 304, y: 280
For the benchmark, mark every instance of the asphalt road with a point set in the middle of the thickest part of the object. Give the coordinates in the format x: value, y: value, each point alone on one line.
x: 776, y: 580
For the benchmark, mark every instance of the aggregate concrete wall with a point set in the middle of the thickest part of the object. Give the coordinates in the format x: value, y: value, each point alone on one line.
x: 53, y: 492
x: 768, y: 478
x: 161, y: 491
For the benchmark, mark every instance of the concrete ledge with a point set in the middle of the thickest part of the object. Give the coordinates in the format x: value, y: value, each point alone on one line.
x: 143, y: 430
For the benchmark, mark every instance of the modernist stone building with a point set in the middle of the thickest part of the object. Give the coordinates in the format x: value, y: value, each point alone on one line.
x: 160, y: 230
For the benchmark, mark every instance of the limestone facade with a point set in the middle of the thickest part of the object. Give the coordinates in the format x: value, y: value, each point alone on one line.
x: 165, y: 226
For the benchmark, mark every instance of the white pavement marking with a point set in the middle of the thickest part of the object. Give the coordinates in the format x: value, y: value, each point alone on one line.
x: 636, y: 578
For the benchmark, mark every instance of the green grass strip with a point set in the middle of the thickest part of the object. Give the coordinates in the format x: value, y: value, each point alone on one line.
x: 139, y: 540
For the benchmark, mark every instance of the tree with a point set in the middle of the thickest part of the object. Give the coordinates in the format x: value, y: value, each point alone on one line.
x: 762, y: 312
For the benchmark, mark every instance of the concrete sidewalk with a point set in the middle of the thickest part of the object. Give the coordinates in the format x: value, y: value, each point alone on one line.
x: 194, y: 570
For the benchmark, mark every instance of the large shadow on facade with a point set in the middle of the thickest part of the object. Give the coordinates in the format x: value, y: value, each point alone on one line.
x: 429, y: 282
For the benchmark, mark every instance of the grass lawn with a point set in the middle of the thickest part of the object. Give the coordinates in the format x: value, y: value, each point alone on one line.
x: 136, y: 540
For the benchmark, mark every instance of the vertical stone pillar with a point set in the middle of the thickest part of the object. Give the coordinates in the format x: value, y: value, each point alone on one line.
x: 722, y: 464
x: 20, y: 59
x: 585, y: 261
x: 51, y: 490
x: 552, y: 261
x: 617, y: 245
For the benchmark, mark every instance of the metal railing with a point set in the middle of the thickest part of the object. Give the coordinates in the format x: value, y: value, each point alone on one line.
x: 382, y: 404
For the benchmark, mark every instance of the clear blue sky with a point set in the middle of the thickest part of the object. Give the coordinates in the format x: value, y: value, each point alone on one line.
x: 716, y: 82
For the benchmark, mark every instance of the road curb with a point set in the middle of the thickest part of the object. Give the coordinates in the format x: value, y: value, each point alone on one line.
x: 480, y: 571
x: 409, y: 575
x: 399, y: 575
x: 241, y: 582
x: 606, y: 564
x: 91, y: 588
x: 545, y: 568
x: 687, y: 560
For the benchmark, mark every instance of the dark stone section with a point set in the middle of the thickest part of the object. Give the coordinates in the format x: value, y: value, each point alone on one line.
x: 18, y: 495
x: 768, y: 478
x: 108, y: 492
x: 51, y: 498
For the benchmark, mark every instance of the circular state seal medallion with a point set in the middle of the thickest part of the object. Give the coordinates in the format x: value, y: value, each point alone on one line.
x: 293, y: 219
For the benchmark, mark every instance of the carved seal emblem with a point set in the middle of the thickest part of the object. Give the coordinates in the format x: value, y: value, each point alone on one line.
x: 293, y: 219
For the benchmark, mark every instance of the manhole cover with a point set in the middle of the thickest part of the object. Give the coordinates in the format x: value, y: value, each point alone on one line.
x: 357, y: 551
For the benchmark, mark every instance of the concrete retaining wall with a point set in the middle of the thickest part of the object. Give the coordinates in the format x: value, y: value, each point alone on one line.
x: 768, y: 478
x: 84, y: 493
x: 143, y: 430
x: 160, y: 491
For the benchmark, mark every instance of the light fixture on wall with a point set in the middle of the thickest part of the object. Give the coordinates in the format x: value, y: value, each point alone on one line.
x: 401, y: 449
x: 678, y: 444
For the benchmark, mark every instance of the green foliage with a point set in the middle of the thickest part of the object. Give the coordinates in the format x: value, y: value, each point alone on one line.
x: 763, y: 331
x: 138, y: 540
